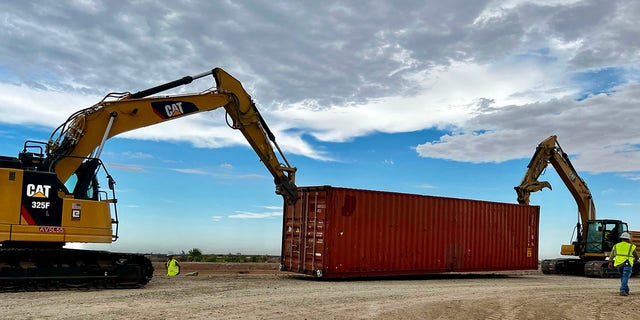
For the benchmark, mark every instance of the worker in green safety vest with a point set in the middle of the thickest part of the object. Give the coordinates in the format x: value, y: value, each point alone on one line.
x: 172, y: 266
x: 622, y: 257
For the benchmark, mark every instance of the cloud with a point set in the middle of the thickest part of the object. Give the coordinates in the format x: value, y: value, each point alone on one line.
x: 191, y: 171
x: 127, y: 167
x: 496, y: 76
x: 39, y: 106
x: 252, y: 215
x: 625, y: 204
x: 137, y: 155
x: 631, y: 176
x: 224, y: 175
x: 451, y: 96
x: 593, y: 130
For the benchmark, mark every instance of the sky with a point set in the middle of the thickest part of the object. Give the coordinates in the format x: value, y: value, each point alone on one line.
x: 442, y: 98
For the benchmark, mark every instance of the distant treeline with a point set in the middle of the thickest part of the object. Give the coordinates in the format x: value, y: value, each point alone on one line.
x: 195, y: 255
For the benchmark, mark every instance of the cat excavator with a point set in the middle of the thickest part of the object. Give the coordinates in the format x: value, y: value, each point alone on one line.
x: 594, y: 238
x: 50, y: 194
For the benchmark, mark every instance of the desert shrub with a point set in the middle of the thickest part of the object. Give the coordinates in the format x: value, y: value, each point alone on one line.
x: 195, y: 255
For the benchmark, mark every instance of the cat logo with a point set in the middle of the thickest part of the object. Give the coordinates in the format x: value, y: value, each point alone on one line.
x: 38, y: 190
x: 171, y: 109
x: 174, y: 109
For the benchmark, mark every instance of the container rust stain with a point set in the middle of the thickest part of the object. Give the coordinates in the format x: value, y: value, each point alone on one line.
x: 335, y: 232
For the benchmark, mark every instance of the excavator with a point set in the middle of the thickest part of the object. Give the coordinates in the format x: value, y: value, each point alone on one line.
x: 594, y: 238
x: 50, y: 194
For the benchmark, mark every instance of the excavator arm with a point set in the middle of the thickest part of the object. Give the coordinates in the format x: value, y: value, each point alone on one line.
x: 549, y: 151
x: 84, y: 134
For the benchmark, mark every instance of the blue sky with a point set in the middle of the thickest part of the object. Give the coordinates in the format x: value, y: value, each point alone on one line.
x: 446, y: 99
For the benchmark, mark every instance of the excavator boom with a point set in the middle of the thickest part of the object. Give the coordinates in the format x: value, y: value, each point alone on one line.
x: 85, y: 132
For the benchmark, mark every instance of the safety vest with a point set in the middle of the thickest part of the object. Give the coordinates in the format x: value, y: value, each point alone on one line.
x: 624, y: 251
x: 172, y: 268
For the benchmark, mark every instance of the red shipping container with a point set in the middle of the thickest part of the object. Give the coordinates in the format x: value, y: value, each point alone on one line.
x: 335, y: 232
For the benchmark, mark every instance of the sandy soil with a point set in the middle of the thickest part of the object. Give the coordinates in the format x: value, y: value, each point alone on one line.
x: 259, y: 291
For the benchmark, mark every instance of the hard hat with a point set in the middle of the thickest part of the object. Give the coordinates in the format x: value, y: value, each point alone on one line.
x: 625, y: 235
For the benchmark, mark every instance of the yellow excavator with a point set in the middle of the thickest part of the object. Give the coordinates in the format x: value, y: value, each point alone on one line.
x: 50, y: 193
x: 594, y: 237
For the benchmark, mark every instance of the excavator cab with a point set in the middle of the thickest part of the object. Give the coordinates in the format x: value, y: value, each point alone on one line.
x: 602, y: 235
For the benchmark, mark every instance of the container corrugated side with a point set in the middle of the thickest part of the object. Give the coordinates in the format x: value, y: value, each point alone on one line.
x: 341, y: 232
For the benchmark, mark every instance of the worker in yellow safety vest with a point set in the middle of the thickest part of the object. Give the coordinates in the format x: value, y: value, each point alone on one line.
x: 172, y: 266
x: 622, y: 257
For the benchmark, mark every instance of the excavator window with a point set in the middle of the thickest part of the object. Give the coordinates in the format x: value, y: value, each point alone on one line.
x: 612, y: 234
x: 84, y: 182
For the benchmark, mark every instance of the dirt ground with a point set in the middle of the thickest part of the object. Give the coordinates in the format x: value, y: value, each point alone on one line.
x: 260, y: 291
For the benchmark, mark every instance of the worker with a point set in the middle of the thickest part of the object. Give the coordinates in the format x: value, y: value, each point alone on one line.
x: 172, y: 266
x: 611, y: 237
x: 622, y: 257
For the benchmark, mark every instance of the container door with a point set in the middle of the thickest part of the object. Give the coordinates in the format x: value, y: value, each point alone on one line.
x: 303, y: 234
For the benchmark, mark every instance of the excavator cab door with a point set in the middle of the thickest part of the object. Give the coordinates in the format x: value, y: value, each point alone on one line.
x: 595, y: 237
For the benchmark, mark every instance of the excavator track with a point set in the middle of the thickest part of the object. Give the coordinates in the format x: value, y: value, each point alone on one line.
x: 577, y: 267
x: 562, y: 266
x: 600, y: 269
x: 33, y: 269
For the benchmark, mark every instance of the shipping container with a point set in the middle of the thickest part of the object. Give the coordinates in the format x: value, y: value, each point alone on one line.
x: 333, y: 232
